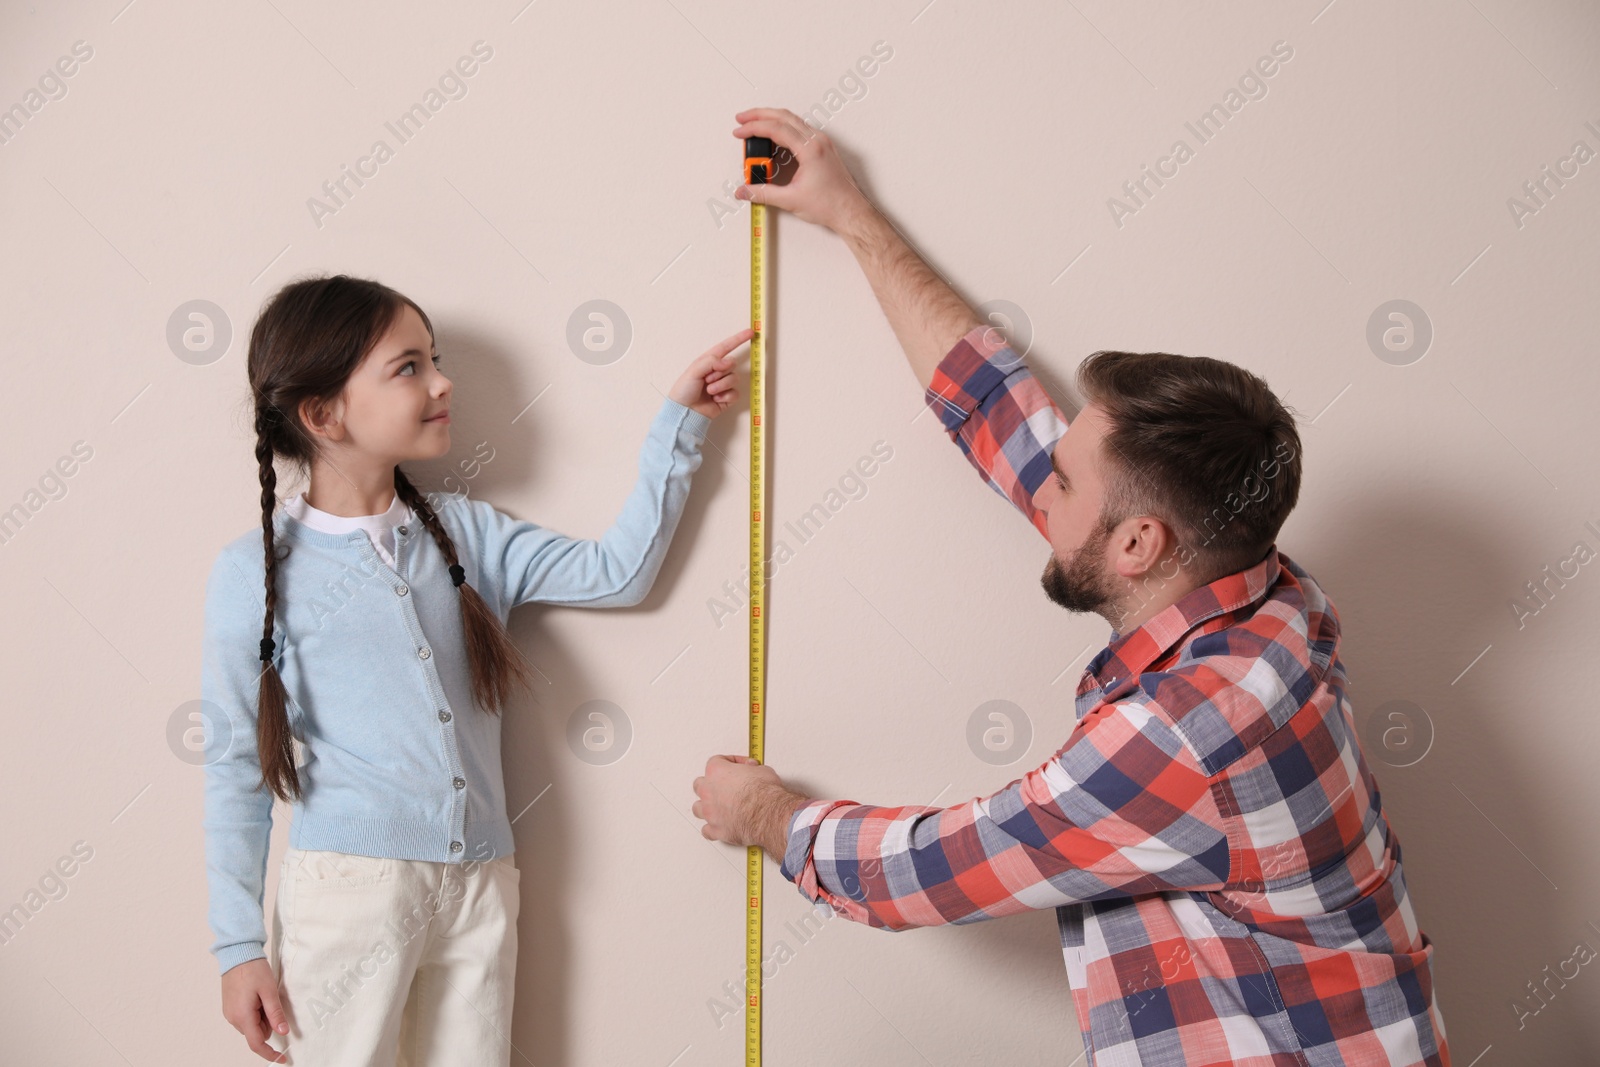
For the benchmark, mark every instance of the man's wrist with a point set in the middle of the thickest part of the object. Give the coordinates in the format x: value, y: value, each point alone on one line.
x: 773, y: 808
x: 859, y: 222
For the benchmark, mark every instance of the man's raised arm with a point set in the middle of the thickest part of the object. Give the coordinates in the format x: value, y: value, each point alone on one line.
x: 988, y: 401
x: 925, y: 313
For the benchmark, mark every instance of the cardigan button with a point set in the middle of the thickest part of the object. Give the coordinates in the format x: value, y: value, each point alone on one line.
x: 444, y: 716
x: 455, y: 846
x: 401, y: 590
x: 461, y: 783
x: 401, y: 530
x: 424, y: 652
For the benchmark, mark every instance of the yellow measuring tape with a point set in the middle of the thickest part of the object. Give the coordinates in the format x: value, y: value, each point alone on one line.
x: 758, y: 169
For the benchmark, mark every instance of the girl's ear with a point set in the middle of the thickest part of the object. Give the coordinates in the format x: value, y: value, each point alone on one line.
x: 323, y: 418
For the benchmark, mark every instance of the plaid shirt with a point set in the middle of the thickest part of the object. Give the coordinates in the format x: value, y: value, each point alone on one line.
x: 1226, y: 886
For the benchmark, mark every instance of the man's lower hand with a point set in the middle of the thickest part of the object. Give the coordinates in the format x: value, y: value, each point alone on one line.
x: 743, y: 802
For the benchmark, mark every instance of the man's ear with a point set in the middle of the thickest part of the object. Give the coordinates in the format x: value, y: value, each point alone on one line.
x: 1141, y: 541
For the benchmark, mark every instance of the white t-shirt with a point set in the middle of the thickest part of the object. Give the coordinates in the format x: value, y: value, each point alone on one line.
x: 378, y: 528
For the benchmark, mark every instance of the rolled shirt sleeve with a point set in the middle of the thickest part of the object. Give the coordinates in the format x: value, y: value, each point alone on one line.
x: 1122, y: 809
x: 996, y: 411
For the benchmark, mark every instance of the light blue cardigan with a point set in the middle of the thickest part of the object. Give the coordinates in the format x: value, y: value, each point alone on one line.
x: 399, y: 760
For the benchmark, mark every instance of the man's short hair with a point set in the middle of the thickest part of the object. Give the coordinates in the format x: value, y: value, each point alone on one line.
x: 1201, y: 444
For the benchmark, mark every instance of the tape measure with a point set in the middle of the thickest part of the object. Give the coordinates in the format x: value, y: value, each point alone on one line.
x: 758, y: 169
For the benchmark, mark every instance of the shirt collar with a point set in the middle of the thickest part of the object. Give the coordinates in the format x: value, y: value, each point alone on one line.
x: 299, y: 508
x: 1117, y: 666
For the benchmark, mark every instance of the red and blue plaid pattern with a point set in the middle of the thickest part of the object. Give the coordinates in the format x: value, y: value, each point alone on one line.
x: 1226, y: 886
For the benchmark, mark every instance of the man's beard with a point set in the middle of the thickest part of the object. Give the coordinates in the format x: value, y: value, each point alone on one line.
x: 1083, y: 585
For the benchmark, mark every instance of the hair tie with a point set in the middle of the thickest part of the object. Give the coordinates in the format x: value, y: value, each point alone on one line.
x: 267, y: 645
x: 458, y: 573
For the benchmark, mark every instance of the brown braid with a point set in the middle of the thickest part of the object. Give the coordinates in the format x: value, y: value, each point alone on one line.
x: 272, y: 718
x: 495, y: 661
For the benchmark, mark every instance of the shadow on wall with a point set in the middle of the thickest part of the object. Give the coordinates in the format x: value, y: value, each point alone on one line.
x: 1421, y: 592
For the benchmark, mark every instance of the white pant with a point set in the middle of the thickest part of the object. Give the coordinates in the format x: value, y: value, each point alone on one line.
x: 395, y: 963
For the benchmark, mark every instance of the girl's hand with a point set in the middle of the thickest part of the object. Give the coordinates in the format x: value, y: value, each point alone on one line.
x: 707, y: 386
x: 250, y: 1002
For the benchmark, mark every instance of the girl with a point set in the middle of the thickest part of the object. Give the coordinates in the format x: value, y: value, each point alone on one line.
x: 366, y: 621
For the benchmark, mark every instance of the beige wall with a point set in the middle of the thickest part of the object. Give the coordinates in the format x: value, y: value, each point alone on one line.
x: 583, y: 163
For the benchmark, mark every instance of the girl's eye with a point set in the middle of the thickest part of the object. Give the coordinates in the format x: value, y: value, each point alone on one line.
x: 412, y: 363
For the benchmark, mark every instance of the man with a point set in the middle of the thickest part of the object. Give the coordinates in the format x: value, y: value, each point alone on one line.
x: 1225, y: 883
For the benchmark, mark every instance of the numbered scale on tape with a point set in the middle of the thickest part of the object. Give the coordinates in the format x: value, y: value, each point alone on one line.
x: 758, y: 170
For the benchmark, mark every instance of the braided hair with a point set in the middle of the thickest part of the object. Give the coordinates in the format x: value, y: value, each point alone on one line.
x: 307, y: 341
